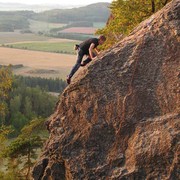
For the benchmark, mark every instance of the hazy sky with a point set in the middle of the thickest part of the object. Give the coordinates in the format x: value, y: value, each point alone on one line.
x: 61, y: 2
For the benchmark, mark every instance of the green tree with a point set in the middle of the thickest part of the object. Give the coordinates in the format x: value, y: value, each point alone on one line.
x: 25, y: 103
x: 5, y: 86
x: 18, y: 121
x: 4, y: 131
x: 125, y: 15
x: 28, y: 108
x: 15, y: 104
x: 22, y: 150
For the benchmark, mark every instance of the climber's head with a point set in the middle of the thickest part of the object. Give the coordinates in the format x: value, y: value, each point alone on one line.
x: 102, y: 39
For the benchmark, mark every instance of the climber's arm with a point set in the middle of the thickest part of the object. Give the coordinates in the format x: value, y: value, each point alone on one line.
x: 91, y: 50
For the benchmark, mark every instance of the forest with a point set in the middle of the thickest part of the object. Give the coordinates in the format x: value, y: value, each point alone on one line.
x: 48, y: 84
x: 25, y: 105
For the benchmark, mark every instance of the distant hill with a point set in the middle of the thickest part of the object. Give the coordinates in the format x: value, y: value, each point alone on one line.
x: 13, y: 20
x: 98, y: 12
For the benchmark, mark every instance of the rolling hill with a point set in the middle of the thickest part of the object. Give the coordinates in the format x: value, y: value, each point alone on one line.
x: 97, y: 12
x: 18, y: 20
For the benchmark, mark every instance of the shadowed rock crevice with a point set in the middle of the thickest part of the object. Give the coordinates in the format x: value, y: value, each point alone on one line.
x: 119, y: 118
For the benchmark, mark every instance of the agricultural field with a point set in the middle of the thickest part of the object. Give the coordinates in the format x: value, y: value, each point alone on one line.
x: 37, y: 42
x: 81, y: 30
x: 40, y: 26
x: 65, y: 47
x: 13, y: 37
x: 26, y: 50
x: 37, y: 64
x: 80, y: 33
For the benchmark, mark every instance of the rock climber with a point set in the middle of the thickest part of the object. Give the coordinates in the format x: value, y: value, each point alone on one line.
x: 86, y: 48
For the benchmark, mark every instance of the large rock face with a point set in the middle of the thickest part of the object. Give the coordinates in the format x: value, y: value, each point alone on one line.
x: 119, y: 119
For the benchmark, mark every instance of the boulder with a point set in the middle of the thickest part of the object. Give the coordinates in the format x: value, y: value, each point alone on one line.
x: 120, y: 116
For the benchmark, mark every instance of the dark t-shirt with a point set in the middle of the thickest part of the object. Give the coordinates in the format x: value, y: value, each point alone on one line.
x: 86, y: 45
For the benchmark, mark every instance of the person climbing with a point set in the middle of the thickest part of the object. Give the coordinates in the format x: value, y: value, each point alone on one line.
x: 85, y: 48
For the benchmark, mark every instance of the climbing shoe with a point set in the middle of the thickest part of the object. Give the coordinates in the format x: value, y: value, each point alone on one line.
x: 68, y: 80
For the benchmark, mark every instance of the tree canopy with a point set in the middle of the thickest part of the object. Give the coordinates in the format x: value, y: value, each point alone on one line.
x: 5, y: 86
x: 125, y: 15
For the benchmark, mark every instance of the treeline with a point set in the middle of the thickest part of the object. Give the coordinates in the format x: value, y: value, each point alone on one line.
x: 24, y: 104
x: 16, y: 66
x: 28, y: 99
x: 52, y: 85
x: 54, y: 51
x: 10, y: 21
x: 74, y: 36
x: 98, y: 12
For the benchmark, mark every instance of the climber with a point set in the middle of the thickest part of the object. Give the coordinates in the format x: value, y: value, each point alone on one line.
x: 86, y: 48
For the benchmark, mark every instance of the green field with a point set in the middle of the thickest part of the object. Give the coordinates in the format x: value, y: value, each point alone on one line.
x: 37, y: 26
x: 12, y: 37
x: 56, y: 47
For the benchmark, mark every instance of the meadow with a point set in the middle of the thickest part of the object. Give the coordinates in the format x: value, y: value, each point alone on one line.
x: 36, y: 26
x: 65, y: 47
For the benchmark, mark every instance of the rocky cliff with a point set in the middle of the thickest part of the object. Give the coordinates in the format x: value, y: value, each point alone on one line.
x: 119, y: 119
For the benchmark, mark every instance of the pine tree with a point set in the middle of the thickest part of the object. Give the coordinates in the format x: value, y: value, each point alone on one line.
x: 22, y: 150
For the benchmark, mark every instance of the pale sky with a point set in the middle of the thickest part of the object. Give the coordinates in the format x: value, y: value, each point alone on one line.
x: 61, y: 2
